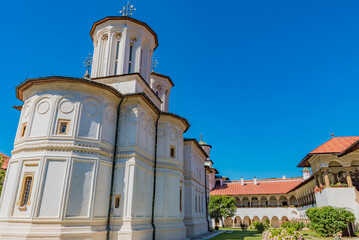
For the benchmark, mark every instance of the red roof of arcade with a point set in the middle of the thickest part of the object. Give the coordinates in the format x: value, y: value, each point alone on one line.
x: 264, y: 186
x: 336, y: 145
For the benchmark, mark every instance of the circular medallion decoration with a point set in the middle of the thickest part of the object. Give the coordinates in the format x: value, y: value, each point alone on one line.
x: 90, y: 109
x: 26, y: 111
x: 66, y: 106
x: 173, y: 136
x: 43, y: 107
x: 110, y: 115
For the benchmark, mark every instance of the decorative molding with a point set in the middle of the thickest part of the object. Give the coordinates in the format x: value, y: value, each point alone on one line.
x: 64, y: 147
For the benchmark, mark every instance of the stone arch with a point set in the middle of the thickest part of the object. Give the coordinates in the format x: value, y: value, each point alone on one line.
x: 228, y: 222
x: 237, y: 221
x: 354, y: 163
x: 247, y: 221
x: 264, y: 219
x: 237, y: 202
x: 263, y: 201
x: 275, y: 222
x: 272, y: 201
x: 256, y: 219
x: 283, y: 201
x: 255, y: 201
x: 284, y: 219
x: 293, y: 201
x: 245, y: 202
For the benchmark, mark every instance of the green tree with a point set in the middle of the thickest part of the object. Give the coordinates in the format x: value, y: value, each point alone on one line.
x: 2, y: 173
x: 221, y: 207
x: 328, y: 221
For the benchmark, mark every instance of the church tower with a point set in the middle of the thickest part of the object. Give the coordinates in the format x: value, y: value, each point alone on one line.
x: 122, y: 45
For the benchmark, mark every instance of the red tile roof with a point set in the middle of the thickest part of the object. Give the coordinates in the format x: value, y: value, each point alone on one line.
x: 6, y: 160
x: 336, y: 145
x: 264, y: 186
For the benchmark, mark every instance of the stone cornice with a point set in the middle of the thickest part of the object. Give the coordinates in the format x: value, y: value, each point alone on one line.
x: 63, y: 147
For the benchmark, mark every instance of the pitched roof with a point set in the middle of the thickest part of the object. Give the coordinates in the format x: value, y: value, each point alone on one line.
x: 336, y: 146
x: 6, y: 161
x: 264, y: 186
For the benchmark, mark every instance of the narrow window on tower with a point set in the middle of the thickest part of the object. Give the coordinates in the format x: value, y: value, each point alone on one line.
x: 117, y: 201
x: 63, y: 127
x: 180, y: 200
x: 116, y: 57
x: 23, y: 130
x: 25, y: 193
x: 130, y: 59
x: 173, y: 151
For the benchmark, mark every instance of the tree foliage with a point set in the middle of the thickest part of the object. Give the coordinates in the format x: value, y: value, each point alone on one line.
x: 2, y: 173
x: 221, y: 207
x: 328, y: 221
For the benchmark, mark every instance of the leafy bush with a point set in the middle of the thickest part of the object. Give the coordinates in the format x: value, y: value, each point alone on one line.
x: 294, y: 224
x: 327, y: 221
x: 259, y: 226
x: 281, y: 233
x: 244, y: 227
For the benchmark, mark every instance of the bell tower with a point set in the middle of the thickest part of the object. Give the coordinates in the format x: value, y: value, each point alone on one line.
x: 122, y: 45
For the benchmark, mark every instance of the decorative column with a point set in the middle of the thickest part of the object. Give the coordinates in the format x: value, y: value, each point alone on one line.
x: 349, y: 178
x: 316, y: 179
x: 335, y: 176
x: 320, y: 174
x: 326, y: 178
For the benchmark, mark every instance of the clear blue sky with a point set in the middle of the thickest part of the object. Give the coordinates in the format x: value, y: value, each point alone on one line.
x: 264, y: 81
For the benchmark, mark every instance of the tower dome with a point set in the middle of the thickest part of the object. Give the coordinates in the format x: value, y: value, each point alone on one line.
x: 122, y: 45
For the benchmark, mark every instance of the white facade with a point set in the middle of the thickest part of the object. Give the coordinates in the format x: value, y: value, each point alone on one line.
x: 67, y: 152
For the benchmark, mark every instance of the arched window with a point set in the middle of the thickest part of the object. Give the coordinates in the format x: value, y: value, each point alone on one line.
x: 130, y: 57
x: 26, y: 190
x: 102, y: 55
x: 117, y: 201
x: 180, y: 200
x: 117, y: 52
x: 196, y: 203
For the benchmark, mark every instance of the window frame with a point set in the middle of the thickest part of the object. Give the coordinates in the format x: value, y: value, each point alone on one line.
x: 60, y: 124
x: 174, y: 151
x: 21, y: 202
x: 117, y: 197
x: 23, y: 130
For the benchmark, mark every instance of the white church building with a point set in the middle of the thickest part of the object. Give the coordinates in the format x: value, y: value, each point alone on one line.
x: 101, y: 157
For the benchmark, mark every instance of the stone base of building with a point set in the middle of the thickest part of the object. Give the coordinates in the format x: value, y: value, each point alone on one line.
x: 196, y: 226
x: 138, y: 230
x: 16, y: 230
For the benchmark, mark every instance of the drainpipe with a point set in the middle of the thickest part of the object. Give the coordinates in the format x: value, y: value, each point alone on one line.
x: 154, y: 181
x: 206, y: 192
x: 110, y: 209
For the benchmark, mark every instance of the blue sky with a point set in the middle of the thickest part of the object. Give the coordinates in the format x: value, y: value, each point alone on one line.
x: 264, y: 81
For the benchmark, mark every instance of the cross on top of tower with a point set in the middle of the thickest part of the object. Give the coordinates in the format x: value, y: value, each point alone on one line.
x: 88, y: 64
x: 154, y: 63
x: 201, y: 137
x: 127, y: 10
